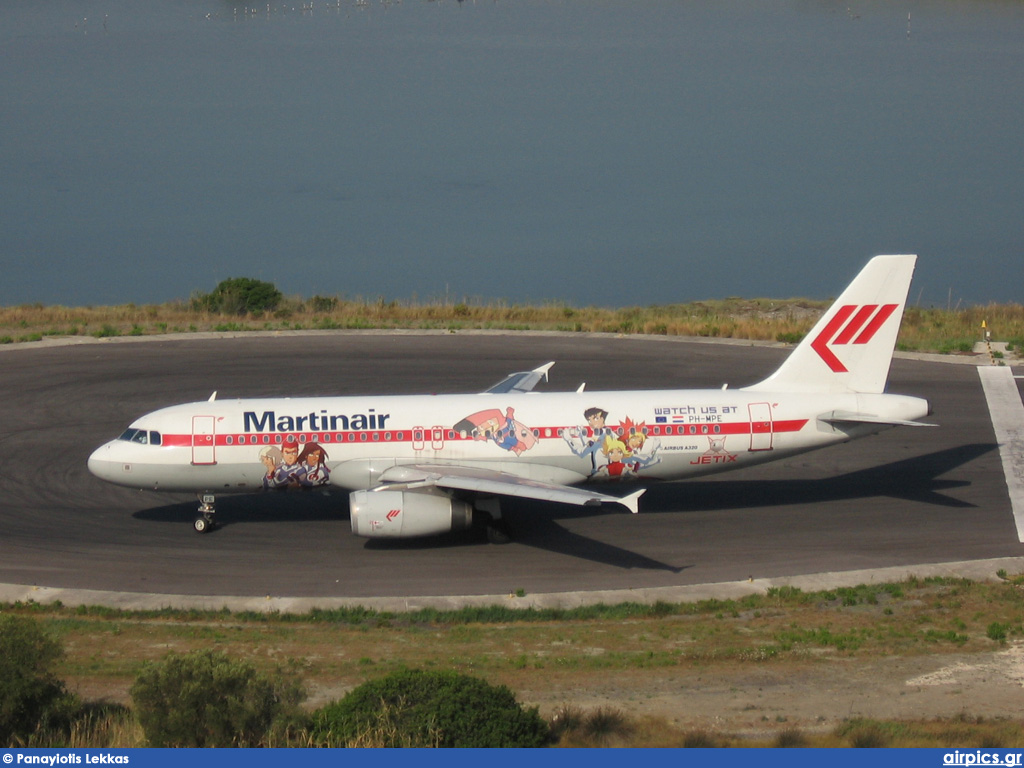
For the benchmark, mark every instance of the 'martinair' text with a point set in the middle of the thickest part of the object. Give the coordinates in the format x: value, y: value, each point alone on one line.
x: 269, y: 421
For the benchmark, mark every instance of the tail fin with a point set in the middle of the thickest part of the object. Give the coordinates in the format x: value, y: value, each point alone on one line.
x: 850, y: 348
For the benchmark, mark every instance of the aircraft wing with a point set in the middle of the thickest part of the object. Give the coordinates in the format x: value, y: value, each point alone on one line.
x: 523, y: 381
x: 849, y: 417
x: 492, y: 482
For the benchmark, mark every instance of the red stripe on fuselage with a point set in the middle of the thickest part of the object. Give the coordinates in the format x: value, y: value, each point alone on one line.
x: 233, y: 439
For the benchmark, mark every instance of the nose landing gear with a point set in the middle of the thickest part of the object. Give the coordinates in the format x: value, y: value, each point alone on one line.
x: 205, y: 523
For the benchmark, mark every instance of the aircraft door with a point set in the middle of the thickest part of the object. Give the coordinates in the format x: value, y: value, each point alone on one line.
x: 760, y: 426
x: 437, y: 438
x: 204, y: 440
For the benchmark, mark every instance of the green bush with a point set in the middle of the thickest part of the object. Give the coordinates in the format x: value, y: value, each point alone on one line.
x: 29, y: 691
x: 239, y: 296
x: 420, y: 708
x: 997, y: 631
x: 206, y: 699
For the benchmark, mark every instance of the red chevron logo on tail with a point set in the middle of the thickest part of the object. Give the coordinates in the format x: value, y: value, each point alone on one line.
x: 850, y: 324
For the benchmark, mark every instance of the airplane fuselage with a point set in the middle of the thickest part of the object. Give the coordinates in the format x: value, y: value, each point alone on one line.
x: 222, y: 446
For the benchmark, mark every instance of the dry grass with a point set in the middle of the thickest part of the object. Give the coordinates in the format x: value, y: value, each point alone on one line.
x: 647, y: 732
x: 926, y: 330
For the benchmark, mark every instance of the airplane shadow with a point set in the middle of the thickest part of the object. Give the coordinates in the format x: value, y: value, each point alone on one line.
x: 259, y: 507
x: 915, y: 479
x: 535, y: 524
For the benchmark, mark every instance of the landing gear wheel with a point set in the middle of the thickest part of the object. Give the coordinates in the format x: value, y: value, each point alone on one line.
x: 204, y: 523
x: 487, y: 511
x: 498, y: 533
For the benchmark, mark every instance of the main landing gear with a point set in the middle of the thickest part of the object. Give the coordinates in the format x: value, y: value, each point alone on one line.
x: 204, y: 523
x: 496, y: 528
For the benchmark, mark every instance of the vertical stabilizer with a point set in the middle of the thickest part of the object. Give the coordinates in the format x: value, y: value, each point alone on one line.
x: 850, y: 348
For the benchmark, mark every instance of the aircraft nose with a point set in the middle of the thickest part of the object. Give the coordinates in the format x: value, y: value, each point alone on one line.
x: 101, y: 464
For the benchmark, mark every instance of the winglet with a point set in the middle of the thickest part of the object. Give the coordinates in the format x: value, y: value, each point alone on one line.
x: 632, y: 502
x: 523, y: 381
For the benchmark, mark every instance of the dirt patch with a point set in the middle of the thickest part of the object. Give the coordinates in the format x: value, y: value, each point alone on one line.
x: 814, y: 696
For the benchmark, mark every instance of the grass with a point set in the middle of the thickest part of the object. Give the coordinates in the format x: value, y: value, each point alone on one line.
x: 924, y: 329
x: 552, y: 653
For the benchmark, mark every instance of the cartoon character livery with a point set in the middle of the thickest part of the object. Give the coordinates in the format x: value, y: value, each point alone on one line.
x: 587, y: 442
x: 502, y: 429
x: 407, y: 474
x: 292, y: 467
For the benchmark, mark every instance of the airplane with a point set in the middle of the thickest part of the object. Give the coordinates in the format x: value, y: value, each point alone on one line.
x: 418, y: 466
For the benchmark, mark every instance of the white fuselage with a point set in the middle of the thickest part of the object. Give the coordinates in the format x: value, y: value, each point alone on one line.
x: 225, y: 446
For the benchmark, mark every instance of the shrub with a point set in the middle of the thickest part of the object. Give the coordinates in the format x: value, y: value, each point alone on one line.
x: 604, y: 725
x: 206, y: 699
x: 790, y: 738
x: 997, y: 631
x: 29, y: 691
x: 436, y: 708
x: 567, y: 719
x: 238, y: 296
x: 700, y: 739
x: 321, y: 304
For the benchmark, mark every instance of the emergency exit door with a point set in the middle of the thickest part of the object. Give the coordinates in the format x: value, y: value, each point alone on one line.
x: 204, y: 442
x: 761, y: 433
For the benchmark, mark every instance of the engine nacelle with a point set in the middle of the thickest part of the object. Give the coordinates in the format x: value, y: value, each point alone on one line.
x: 407, y: 514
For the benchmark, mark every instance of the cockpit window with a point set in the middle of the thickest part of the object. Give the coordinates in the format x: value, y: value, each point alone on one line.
x: 141, y: 437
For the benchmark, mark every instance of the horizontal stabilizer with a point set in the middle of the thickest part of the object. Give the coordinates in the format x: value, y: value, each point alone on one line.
x: 849, y: 417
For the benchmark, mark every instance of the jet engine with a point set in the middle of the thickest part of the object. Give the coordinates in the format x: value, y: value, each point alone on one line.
x: 407, y: 514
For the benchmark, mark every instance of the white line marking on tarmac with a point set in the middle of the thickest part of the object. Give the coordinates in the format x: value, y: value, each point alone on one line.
x: 1007, y: 411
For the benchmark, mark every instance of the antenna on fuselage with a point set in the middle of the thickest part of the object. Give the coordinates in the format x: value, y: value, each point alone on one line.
x: 213, y: 396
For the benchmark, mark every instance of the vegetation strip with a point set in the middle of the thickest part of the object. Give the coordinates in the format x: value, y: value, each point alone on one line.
x: 243, y: 304
x: 106, y: 649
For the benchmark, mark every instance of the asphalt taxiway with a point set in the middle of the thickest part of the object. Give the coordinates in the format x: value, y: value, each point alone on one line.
x: 907, y: 498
